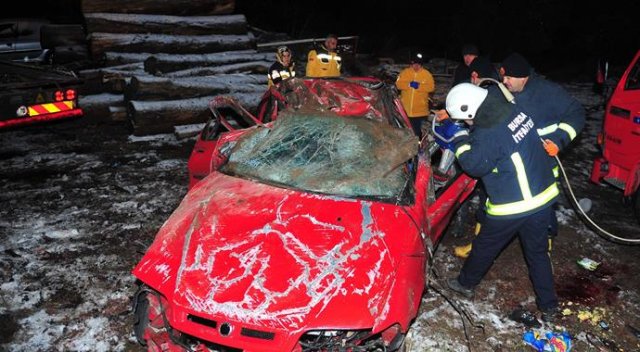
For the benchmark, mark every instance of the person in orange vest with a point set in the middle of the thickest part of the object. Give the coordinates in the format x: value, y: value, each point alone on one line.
x: 325, y: 60
x: 415, y: 84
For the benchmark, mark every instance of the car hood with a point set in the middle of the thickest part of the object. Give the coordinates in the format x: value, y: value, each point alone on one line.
x: 240, y: 250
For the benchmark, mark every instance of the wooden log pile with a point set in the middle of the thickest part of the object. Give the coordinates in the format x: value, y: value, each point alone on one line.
x: 166, y: 59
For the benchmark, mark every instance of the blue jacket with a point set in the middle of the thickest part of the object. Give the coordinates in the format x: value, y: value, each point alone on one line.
x: 505, y: 151
x: 558, y: 116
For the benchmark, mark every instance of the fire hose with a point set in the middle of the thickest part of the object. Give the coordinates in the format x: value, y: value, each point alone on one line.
x: 602, y: 232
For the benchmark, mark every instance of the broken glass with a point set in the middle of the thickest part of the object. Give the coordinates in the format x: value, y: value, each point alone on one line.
x: 350, y: 156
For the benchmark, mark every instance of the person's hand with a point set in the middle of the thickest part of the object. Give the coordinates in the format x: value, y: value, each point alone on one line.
x: 441, y: 115
x: 414, y: 84
x: 551, y: 148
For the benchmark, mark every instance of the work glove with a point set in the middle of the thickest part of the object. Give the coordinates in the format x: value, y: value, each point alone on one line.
x: 441, y: 115
x: 551, y: 148
x: 414, y: 84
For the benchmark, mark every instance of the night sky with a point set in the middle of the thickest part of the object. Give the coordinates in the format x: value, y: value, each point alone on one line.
x: 564, y: 35
x: 552, y: 34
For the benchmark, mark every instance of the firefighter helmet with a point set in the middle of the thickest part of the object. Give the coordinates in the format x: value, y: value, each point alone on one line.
x: 464, y: 100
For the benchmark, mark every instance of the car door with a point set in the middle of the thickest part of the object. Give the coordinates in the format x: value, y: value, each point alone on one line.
x: 228, y: 116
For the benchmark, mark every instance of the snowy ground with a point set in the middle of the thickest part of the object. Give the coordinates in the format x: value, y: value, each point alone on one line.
x: 82, y: 201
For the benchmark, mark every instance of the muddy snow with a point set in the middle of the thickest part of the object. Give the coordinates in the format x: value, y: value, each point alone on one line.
x: 81, y: 202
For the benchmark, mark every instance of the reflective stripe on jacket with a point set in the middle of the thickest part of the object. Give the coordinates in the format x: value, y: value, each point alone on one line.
x: 415, y: 101
x: 278, y: 73
x: 510, y: 159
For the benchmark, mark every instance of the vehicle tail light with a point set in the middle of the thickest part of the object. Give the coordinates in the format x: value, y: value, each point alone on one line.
x: 58, y: 95
x: 600, y: 138
x: 70, y: 94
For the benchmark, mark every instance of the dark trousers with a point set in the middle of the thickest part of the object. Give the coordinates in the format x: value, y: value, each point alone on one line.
x: 495, y: 234
x: 416, y: 124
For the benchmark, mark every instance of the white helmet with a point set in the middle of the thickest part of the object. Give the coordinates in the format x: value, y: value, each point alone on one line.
x: 464, y: 100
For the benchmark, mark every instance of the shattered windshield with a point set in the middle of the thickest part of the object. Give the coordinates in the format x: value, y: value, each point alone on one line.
x: 329, y: 154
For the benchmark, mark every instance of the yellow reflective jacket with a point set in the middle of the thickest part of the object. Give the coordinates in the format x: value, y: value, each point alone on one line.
x: 415, y: 101
x: 323, y: 63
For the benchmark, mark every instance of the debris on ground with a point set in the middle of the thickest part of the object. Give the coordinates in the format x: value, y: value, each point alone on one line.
x: 548, y: 341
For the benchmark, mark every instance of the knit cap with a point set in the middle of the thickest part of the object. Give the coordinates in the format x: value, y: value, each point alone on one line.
x: 470, y: 49
x: 515, y: 65
x: 484, y: 68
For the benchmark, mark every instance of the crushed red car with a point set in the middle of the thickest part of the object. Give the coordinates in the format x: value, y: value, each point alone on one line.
x: 619, y: 141
x: 306, y: 228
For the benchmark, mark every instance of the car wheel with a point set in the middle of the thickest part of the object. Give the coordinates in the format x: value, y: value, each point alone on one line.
x: 141, y: 313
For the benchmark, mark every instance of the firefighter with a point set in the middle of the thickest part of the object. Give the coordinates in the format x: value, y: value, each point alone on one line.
x: 480, y: 68
x: 283, y: 68
x: 325, y: 61
x: 559, y: 116
x: 504, y: 150
x: 415, y: 84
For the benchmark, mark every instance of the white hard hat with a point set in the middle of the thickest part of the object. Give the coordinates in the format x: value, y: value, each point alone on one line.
x: 464, y: 100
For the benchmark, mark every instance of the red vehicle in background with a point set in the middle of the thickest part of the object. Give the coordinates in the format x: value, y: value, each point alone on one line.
x: 619, y: 164
x: 306, y: 228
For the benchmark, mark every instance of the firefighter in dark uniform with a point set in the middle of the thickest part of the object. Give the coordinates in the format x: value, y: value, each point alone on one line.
x: 283, y: 68
x: 559, y: 116
x: 505, y: 151
x: 325, y: 60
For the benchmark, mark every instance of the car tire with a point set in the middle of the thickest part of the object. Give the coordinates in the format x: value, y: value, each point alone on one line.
x: 141, y: 313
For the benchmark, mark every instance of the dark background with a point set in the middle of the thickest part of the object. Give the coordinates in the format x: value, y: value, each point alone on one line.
x: 564, y: 37
x: 557, y: 36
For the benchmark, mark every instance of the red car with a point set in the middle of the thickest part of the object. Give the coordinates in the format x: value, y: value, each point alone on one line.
x: 307, y: 228
x: 619, y: 164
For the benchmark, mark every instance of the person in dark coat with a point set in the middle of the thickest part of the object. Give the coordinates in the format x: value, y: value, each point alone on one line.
x: 504, y: 150
x: 559, y: 116
x: 462, y: 72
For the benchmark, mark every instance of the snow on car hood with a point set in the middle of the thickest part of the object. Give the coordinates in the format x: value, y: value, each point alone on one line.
x: 280, y: 258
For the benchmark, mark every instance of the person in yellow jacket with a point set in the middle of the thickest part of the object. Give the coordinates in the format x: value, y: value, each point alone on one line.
x: 325, y: 61
x: 415, y: 84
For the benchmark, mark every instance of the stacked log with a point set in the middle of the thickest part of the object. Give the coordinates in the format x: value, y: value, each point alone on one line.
x: 159, y: 24
x: 165, y: 63
x: 155, y: 88
x: 160, y: 7
x: 162, y: 43
x: 168, y: 58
